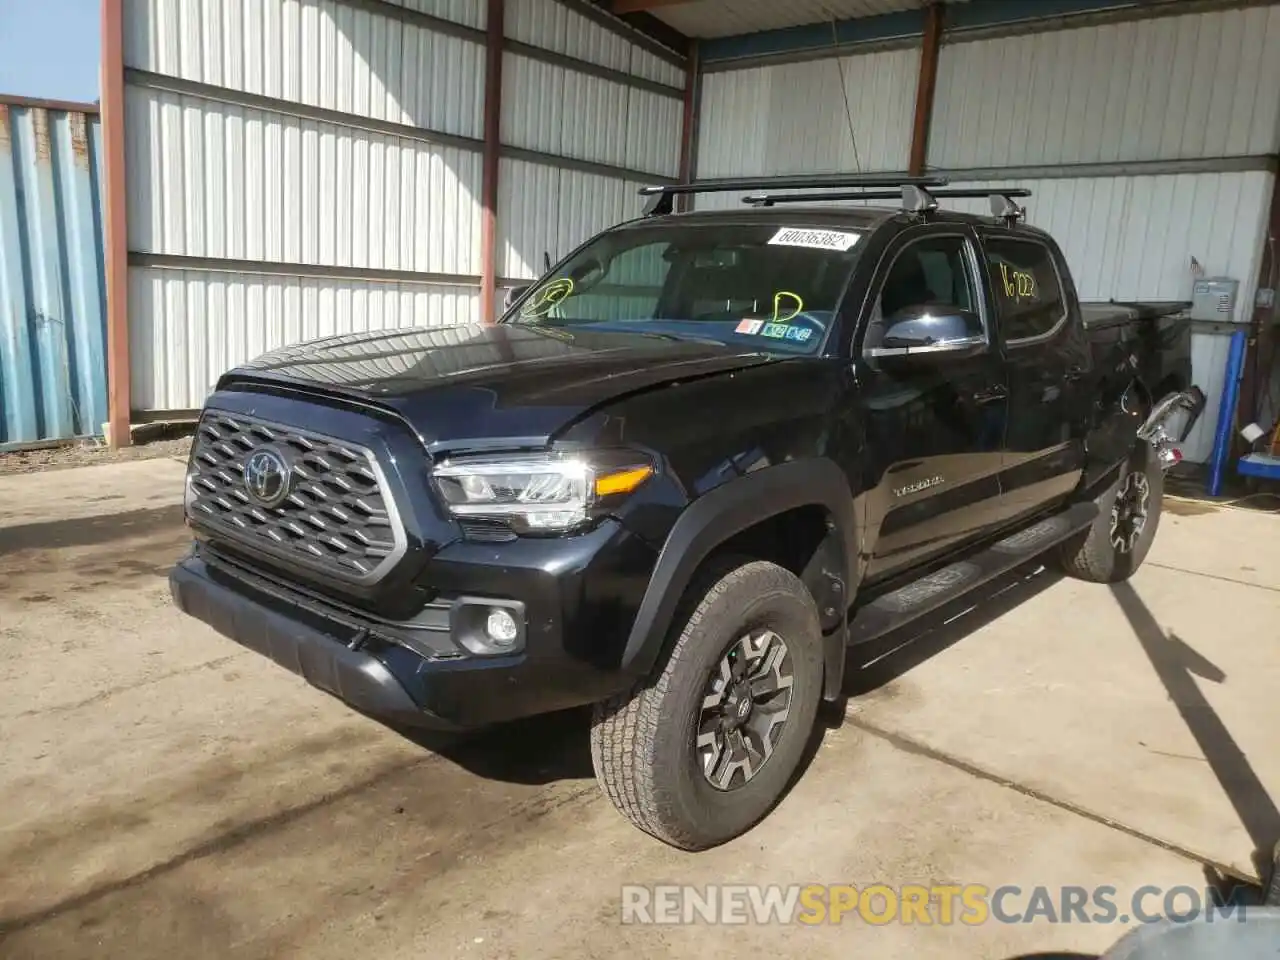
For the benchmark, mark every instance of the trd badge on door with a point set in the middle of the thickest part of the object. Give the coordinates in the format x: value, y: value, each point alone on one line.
x: 919, y: 485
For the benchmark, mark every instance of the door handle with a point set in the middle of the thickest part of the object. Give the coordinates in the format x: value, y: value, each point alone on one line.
x: 990, y: 395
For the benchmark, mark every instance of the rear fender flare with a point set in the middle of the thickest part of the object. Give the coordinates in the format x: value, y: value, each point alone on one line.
x: 727, y: 510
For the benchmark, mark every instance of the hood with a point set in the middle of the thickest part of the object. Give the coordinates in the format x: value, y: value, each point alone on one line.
x: 472, y: 384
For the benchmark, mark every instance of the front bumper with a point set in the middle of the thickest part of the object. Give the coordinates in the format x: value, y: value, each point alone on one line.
x: 321, y: 658
x: 572, y: 594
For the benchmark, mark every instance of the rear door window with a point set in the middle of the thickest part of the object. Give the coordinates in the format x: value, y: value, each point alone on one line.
x: 1028, y: 293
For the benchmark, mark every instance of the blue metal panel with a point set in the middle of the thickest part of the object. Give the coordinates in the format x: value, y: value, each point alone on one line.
x: 53, y: 382
x: 1226, y: 413
x: 895, y: 26
x: 887, y: 26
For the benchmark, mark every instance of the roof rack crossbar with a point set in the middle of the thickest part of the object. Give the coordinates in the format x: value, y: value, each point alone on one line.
x: 960, y: 193
x: 661, y: 198
x: 913, y: 198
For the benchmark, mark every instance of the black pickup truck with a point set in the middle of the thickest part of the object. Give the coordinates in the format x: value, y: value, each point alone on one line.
x: 690, y: 468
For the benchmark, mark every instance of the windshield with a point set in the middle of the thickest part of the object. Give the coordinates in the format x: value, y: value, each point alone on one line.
x: 772, y: 287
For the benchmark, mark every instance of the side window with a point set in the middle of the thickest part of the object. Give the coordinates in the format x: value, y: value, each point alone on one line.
x: 933, y: 271
x: 1028, y: 293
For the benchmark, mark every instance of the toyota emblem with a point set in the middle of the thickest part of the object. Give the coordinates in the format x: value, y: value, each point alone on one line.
x: 267, y: 477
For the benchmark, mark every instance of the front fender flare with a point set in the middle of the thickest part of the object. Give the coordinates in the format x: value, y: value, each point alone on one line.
x: 727, y: 510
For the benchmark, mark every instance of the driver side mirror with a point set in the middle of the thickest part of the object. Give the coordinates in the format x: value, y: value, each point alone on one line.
x: 920, y: 336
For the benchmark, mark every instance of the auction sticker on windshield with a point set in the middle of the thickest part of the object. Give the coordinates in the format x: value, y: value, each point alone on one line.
x: 817, y: 239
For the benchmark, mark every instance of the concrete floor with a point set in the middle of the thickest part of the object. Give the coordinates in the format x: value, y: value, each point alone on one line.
x: 165, y: 793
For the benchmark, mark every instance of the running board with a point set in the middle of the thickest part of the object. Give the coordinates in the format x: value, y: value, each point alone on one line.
x: 930, y: 592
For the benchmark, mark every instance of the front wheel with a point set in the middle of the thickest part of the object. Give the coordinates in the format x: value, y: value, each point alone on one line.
x: 700, y: 752
x: 1115, y: 545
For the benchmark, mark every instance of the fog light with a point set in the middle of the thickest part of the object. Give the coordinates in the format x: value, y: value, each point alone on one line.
x: 501, y: 627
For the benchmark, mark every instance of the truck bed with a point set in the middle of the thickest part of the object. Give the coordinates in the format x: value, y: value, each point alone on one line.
x: 1157, y: 335
x: 1109, y: 313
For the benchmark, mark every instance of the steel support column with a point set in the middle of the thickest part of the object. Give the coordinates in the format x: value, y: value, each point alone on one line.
x: 116, y: 244
x: 930, y: 46
x: 689, y: 131
x: 492, y: 148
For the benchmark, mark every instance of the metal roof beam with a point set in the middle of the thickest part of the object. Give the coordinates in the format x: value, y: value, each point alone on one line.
x: 964, y: 21
x: 620, y: 7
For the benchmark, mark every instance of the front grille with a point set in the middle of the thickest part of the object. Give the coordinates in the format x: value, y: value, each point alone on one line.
x: 338, y: 516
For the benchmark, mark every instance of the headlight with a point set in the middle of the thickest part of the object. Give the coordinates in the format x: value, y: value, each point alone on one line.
x: 539, y: 493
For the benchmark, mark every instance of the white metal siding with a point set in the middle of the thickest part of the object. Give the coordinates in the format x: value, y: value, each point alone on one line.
x: 553, y: 26
x: 563, y: 112
x: 322, y: 53
x: 207, y: 179
x: 791, y: 118
x: 469, y: 12
x: 1205, y: 85
x: 556, y: 110
x: 545, y: 209
x: 217, y: 181
x: 196, y: 324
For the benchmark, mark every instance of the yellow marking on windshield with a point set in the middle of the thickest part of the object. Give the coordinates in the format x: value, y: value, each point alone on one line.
x: 777, y: 306
x: 548, y: 298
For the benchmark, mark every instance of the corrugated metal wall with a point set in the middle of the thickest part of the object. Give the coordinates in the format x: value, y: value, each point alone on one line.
x: 209, y: 179
x: 295, y: 169
x: 563, y: 112
x: 306, y: 167
x: 53, y: 381
x: 554, y: 26
x: 545, y: 210
x: 791, y: 118
x: 1205, y: 85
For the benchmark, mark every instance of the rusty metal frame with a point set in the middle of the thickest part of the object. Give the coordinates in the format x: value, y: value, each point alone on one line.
x: 689, y: 128
x: 115, y: 226
x: 491, y: 156
x: 926, y: 85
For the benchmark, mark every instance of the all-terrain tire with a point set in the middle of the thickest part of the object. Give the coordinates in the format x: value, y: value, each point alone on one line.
x: 643, y: 742
x: 1103, y: 554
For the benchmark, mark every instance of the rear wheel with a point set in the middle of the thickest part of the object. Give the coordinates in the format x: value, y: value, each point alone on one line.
x: 1117, y: 542
x: 703, y: 750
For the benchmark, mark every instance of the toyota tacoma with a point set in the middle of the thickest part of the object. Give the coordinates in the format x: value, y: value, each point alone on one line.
x: 702, y: 458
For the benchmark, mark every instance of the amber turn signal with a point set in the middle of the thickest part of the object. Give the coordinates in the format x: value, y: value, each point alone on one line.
x: 624, y: 481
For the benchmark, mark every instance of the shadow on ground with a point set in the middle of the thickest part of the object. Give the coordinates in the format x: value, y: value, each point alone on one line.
x: 875, y: 665
x: 88, y: 531
x: 538, y: 750
x: 1178, y: 665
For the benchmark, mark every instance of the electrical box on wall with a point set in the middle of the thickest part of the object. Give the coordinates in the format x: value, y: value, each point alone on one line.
x: 1214, y: 298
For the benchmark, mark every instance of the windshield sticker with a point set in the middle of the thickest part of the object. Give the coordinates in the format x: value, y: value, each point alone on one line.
x: 816, y: 239
x: 749, y: 327
x: 781, y: 331
x: 546, y: 299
